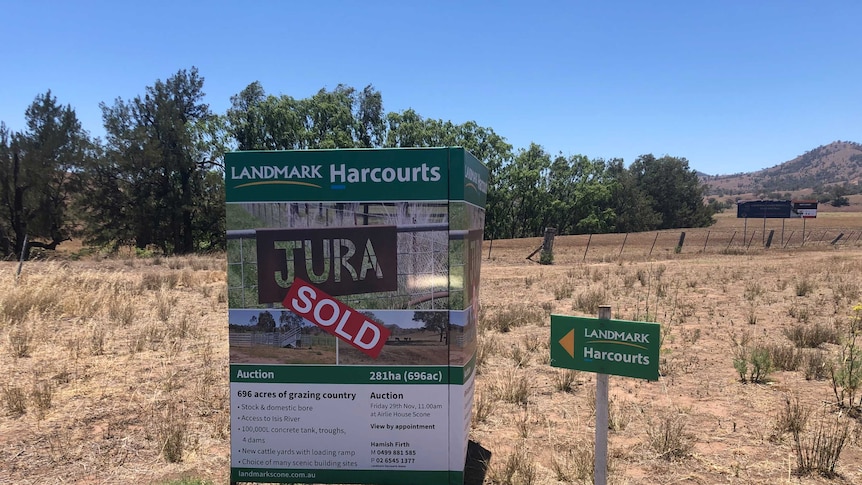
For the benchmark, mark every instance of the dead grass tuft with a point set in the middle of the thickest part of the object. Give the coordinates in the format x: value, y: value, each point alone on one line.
x: 667, y: 435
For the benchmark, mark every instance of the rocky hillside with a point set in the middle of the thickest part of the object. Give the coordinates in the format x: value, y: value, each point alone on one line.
x: 819, y: 170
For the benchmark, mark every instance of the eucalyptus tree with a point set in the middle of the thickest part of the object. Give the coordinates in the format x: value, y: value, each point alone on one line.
x: 156, y: 172
x: 39, y: 175
x: 674, y: 191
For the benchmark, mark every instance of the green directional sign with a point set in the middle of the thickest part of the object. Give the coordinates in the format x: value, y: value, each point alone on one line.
x: 615, y: 347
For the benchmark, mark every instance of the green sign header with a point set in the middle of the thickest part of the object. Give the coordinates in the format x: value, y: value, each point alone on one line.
x: 616, y: 347
x: 395, y: 174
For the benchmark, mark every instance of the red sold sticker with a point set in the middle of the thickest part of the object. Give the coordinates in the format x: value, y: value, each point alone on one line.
x: 336, y: 318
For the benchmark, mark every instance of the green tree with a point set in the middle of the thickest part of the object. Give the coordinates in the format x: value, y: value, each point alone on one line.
x: 341, y: 118
x: 527, y: 180
x: 674, y: 191
x: 265, y: 321
x: 632, y: 206
x: 157, y: 173
x: 434, y: 321
x: 38, y: 175
x: 289, y: 320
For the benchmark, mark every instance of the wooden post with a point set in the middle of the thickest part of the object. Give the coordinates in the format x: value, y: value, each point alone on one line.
x: 803, y: 232
x: 680, y: 243
x: 789, y: 238
x: 769, y: 239
x: 21, y: 259
x: 623, y: 245
x: 600, y: 471
x: 731, y: 240
x: 588, y: 246
x: 752, y: 239
x: 547, y: 256
x: 706, y: 241
x: 653, y: 244
x: 490, y: 245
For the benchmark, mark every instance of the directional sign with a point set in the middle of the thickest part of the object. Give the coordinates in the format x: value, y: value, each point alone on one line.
x: 616, y: 347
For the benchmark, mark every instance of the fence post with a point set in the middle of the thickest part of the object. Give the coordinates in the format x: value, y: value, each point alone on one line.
x: 21, y: 259
x: 706, y: 241
x: 789, y: 238
x: 623, y: 245
x: 731, y: 241
x: 547, y: 255
x: 588, y: 246
x: 769, y: 239
x: 754, y: 233
x: 653, y: 244
x: 835, y: 241
x: 679, y: 244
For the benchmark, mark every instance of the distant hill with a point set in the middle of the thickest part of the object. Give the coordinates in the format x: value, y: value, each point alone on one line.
x: 835, y: 168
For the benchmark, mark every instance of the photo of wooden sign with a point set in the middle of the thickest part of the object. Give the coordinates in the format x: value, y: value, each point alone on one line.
x: 338, y: 260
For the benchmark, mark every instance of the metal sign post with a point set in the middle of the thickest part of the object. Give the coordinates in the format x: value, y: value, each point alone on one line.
x: 605, y: 346
x: 602, y: 382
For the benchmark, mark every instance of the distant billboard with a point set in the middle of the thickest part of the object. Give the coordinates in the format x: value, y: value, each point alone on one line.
x: 764, y: 209
x: 806, y: 209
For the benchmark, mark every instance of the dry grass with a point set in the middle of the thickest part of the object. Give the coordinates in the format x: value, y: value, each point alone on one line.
x: 105, y: 376
x: 124, y: 376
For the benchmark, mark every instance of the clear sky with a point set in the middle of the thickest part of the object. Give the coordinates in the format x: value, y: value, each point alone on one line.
x: 731, y: 85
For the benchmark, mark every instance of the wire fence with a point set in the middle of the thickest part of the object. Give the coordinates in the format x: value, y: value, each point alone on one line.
x: 668, y: 243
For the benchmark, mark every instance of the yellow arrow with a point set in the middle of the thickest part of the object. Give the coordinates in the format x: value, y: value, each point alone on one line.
x: 568, y: 343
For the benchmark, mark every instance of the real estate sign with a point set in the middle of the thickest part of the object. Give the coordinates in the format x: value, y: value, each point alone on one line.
x: 615, y: 347
x: 353, y: 282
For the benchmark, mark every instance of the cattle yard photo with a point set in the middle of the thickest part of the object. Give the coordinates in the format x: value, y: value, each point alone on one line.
x: 114, y: 369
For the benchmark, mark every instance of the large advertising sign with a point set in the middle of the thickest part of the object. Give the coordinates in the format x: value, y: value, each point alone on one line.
x: 353, y: 281
x: 763, y: 209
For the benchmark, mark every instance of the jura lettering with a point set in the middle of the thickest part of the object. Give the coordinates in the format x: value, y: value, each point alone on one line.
x: 338, y: 260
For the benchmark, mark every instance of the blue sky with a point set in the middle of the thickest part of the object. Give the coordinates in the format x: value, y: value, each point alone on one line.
x: 732, y: 85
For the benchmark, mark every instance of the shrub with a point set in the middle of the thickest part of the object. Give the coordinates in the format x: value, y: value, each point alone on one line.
x: 819, y: 450
x: 793, y: 416
x: 564, y: 379
x: 14, y: 400
x: 785, y: 357
x: 753, y: 364
x: 804, y: 286
x: 171, y: 432
x: 667, y: 436
x: 817, y: 365
x: 847, y: 372
x: 518, y: 469
x: 811, y: 336
x: 590, y: 300
x: 514, y: 388
x: 515, y: 316
x: 20, y: 337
